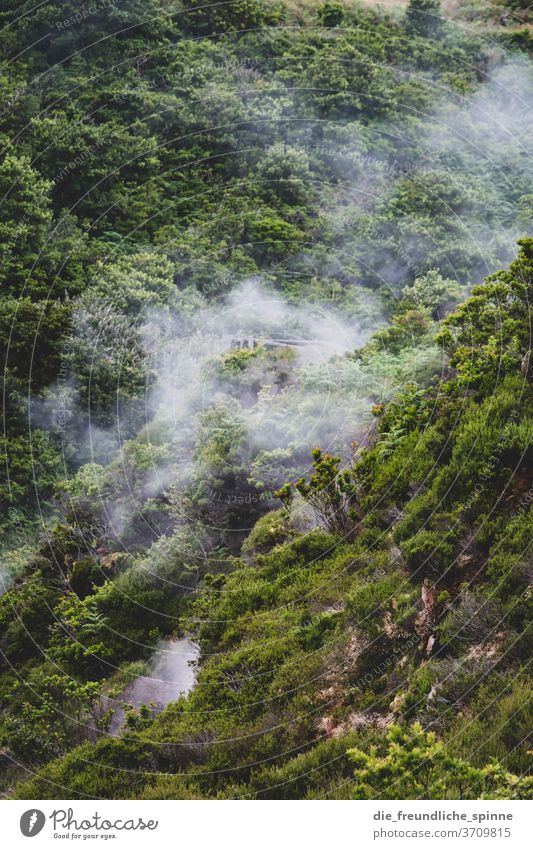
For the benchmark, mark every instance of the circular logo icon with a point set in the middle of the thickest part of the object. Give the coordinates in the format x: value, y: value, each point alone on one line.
x: 32, y: 822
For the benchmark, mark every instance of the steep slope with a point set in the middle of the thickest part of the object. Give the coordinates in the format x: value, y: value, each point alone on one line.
x: 419, y: 612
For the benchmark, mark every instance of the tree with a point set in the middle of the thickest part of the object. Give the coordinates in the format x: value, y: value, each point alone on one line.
x: 235, y: 15
x: 329, y: 491
x: 55, y: 712
x: 25, y: 220
x: 106, y: 359
x: 58, y: 29
x: 434, y: 292
x: 423, y: 18
x: 331, y: 14
x: 31, y: 334
x: 489, y: 334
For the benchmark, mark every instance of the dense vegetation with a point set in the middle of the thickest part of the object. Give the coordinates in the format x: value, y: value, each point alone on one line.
x: 251, y: 397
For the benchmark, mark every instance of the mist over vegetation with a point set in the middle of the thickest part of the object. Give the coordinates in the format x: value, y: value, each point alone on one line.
x: 265, y: 279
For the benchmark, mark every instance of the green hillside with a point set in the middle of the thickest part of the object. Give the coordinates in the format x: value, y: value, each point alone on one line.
x: 266, y: 387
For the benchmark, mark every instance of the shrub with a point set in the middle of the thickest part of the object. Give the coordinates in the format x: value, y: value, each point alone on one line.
x: 472, y: 620
x: 428, y: 553
x: 415, y: 765
x: 270, y: 530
